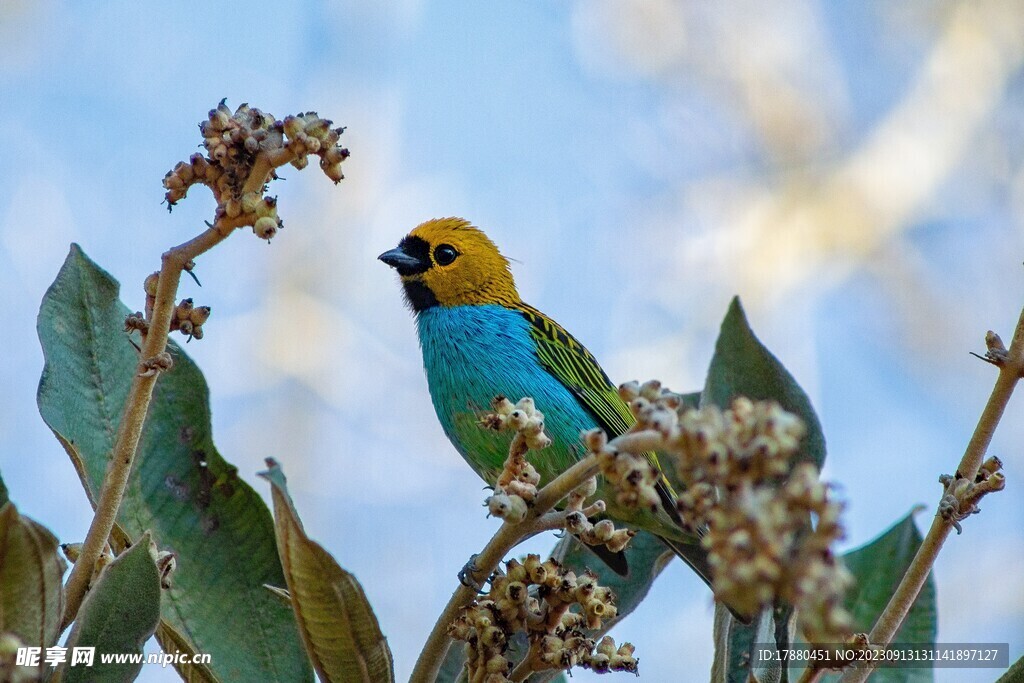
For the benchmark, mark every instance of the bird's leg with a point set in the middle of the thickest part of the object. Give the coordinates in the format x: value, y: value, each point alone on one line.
x: 467, y: 572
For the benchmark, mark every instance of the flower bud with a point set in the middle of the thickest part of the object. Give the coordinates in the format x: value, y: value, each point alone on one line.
x: 72, y: 551
x: 587, y: 488
x: 250, y: 202
x: 651, y: 390
x: 629, y: 391
x: 516, y: 592
x: 199, y: 315
x: 184, y: 309
x: 603, y: 530
x: 333, y: 171
x: 595, y: 439
x: 265, y: 228
x: 150, y: 283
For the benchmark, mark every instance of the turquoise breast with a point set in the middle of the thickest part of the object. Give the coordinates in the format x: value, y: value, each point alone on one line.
x: 472, y: 354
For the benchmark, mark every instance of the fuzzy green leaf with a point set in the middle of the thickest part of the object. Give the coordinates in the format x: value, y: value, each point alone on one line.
x: 878, y: 568
x: 691, y: 399
x: 31, y: 593
x: 1015, y: 674
x: 742, y: 366
x: 735, y: 643
x: 180, y: 487
x: 337, y: 623
x: 119, y: 614
x: 174, y: 642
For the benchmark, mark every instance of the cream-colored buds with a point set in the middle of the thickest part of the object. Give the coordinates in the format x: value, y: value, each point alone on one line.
x: 150, y: 284
x: 265, y: 227
x: 536, y: 598
x: 518, y: 480
x: 243, y: 151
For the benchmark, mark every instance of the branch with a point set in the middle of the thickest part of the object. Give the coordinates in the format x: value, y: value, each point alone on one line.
x: 129, y: 430
x: 508, y: 536
x: 1011, y: 369
x: 811, y: 675
x: 245, y: 148
x: 524, y: 668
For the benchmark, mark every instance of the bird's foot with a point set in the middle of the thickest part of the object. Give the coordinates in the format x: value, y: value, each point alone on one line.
x: 466, y: 575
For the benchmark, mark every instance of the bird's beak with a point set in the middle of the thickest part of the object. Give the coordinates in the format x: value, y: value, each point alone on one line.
x: 402, y: 262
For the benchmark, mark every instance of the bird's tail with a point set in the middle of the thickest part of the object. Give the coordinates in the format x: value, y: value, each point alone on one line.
x: 695, y: 555
x: 617, y: 562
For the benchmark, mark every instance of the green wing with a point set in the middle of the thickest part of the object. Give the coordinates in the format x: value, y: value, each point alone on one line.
x: 577, y: 369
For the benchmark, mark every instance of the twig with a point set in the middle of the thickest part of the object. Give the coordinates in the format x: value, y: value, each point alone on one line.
x: 811, y: 675
x: 1011, y: 369
x: 507, y: 537
x: 524, y: 668
x: 134, y: 417
x: 140, y: 394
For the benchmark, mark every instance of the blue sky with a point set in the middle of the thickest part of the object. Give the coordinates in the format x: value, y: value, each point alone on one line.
x: 852, y: 170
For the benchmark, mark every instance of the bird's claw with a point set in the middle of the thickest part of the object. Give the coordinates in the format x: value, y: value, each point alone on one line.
x: 467, y: 572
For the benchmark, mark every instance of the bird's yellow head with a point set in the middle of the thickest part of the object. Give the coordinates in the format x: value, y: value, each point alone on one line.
x: 448, y: 262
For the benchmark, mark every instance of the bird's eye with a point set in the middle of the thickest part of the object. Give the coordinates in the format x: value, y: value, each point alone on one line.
x: 445, y: 254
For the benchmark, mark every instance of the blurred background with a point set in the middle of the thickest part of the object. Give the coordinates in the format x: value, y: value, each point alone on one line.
x: 855, y: 171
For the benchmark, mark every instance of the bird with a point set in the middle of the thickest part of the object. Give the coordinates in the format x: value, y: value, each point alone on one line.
x: 480, y: 340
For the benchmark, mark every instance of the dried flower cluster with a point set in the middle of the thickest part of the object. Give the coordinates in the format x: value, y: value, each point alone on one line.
x: 537, y: 597
x: 630, y: 469
x: 516, y: 486
x: 960, y: 498
x: 744, y: 496
x: 187, y: 317
x: 577, y: 520
x: 234, y: 143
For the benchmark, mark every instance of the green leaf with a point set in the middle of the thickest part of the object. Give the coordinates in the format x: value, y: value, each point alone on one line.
x: 691, y: 399
x: 3, y: 492
x: 119, y: 614
x: 31, y: 593
x: 453, y: 667
x: 878, y: 568
x: 735, y: 643
x: 180, y: 487
x: 1015, y: 674
x: 742, y: 366
x: 337, y: 623
x: 173, y: 642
